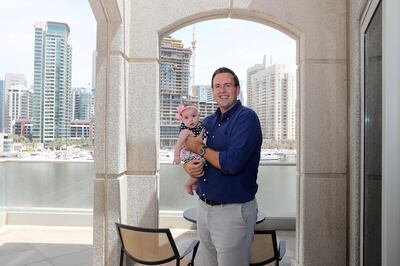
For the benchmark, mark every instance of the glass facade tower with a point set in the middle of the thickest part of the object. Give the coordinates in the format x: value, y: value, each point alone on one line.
x: 2, y: 103
x: 82, y: 102
x: 52, y: 97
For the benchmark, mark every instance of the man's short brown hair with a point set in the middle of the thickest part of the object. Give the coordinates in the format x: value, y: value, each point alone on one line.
x: 225, y: 70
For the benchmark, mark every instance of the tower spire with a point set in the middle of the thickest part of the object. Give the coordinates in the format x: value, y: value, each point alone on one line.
x: 193, y: 76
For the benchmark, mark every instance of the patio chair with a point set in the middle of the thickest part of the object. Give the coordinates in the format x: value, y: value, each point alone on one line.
x: 152, y: 246
x: 264, y: 248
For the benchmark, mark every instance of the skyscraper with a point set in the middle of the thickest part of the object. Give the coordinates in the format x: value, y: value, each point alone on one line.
x: 203, y: 92
x: 14, y: 84
x: 271, y: 94
x: 2, y: 105
x: 82, y: 103
x: 52, y: 100
x: 11, y: 79
x: 174, y: 87
x: 19, y: 100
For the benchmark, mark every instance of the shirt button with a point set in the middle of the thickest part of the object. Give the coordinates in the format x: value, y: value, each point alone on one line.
x: 212, y: 136
x: 219, y: 125
x: 204, y: 180
x: 205, y: 164
x: 204, y: 194
x: 227, y: 118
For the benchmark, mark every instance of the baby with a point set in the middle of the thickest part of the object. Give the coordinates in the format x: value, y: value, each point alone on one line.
x: 191, y: 125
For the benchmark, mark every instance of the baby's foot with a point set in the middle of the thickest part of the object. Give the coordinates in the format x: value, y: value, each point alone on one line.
x: 188, y: 189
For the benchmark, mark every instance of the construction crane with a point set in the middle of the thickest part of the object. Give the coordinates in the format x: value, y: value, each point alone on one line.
x: 193, y: 74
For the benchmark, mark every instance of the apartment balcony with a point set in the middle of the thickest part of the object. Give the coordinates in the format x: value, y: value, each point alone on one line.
x: 46, y: 213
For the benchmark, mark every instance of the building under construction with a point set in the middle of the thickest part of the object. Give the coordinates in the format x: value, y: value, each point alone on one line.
x: 174, y: 87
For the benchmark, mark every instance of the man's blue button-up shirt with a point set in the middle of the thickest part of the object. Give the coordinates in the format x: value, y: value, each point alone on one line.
x: 237, y: 136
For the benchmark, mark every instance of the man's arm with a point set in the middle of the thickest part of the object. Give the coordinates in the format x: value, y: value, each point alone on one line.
x: 195, y: 143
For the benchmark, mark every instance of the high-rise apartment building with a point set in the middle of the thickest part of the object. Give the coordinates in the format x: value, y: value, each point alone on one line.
x: 93, y: 85
x: 2, y: 105
x: 19, y: 105
x: 94, y: 55
x: 206, y: 108
x: 82, y: 103
x: 174, y: 87
x: 23, y: 128
x: 15, y: 95
x: 203, y: 92
x: 52, y: 99
x: 12, y: 79
x: 241, y: 96
x: 271, y: 94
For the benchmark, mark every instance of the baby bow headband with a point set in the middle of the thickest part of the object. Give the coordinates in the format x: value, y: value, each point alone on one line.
x: 181, y: 108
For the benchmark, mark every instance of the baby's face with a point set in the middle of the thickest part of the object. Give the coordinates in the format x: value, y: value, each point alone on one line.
x: 190, y: 117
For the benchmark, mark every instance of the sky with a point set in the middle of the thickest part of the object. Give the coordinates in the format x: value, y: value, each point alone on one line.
x: 236, y: 44
x: 233, y: 43
x: 17, y: 20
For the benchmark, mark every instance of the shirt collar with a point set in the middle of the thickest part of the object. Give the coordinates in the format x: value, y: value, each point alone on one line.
x: 221, y: 116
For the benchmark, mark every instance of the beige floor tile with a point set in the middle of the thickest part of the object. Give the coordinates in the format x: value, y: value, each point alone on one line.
x: 83, y: 258
x: 21, y: 258
x: 56, y: 250
x: 10, y: 248
x: 41, y: 263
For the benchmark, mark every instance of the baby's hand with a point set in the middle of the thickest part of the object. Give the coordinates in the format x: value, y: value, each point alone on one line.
x: 177, y: 160
x: 185, y: 133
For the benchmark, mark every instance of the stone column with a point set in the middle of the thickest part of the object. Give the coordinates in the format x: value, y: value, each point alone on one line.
x: 143, y: 115
x: 143, y: 142
x: 323, y: 139
x: 110, y: 132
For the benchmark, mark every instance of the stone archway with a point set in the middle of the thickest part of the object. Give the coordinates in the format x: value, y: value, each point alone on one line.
x: 127, y: 139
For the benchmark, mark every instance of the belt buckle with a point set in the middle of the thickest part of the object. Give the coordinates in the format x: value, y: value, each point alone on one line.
x: 212, y: 202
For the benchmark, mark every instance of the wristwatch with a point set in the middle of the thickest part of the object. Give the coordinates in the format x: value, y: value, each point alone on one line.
x: 202, y: 150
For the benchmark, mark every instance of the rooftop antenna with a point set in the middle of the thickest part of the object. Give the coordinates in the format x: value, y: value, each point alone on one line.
x: 193, y: 59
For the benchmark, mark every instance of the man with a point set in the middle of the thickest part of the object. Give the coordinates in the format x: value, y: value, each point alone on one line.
x: 227, y: 208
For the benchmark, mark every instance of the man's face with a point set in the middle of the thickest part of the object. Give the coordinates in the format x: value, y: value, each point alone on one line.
x: 224, y: 91
x: 190, y: 117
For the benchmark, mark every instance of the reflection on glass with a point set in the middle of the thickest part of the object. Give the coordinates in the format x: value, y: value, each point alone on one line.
x: 373, y: 140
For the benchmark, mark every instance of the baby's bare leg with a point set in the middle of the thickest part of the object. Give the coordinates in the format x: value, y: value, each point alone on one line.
x: 190, y: 185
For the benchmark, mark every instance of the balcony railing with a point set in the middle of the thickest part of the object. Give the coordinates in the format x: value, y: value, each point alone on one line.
x: 67, y: 186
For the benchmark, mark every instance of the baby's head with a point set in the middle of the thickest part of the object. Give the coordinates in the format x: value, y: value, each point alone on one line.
x: 188, y: 114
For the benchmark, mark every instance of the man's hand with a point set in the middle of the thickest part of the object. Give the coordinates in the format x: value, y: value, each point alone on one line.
x: 194, y: 168
x: 194, y: 144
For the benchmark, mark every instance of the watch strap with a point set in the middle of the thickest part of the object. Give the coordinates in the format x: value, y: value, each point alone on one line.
x: 202, y: 150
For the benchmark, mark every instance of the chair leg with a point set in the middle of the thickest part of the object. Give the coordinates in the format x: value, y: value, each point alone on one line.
x: 121, y: 258
x: 194, y: 254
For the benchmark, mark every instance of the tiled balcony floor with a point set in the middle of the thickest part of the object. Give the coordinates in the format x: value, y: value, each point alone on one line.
x: 45, y: 246
x: 70, y: 246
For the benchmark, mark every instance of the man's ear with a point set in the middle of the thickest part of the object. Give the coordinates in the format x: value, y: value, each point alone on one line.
x: 237, y: 90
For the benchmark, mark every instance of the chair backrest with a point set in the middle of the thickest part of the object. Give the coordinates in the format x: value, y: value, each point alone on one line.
x: 147, y: 245
x: 264, y: 248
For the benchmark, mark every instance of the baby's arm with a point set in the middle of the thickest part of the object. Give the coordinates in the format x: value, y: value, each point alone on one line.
x: 178, y: 145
